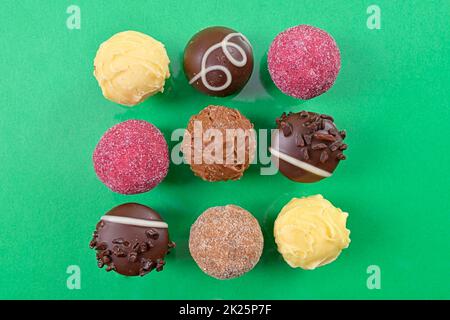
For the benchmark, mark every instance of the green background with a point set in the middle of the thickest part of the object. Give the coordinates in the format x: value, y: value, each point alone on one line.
x: 392, y: 96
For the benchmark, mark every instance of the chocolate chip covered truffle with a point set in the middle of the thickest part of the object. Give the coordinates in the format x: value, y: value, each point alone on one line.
x: 219, y: 144
x: 131, y: 239
x: 226, y: 242
x: 218, y: 61
x: 307, y: 146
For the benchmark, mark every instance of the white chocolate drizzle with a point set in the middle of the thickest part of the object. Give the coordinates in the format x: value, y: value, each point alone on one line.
x: 224, y: 44
x: 300, y: 164
x: 136, y: 222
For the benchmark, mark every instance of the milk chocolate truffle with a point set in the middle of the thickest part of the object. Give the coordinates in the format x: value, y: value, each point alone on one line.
x: 307, y: 146
x: 219, y: 144
x: 310, y: 232
x: 132, y: 157
x: 130, y: 67
x: 304, y: 61
x: 226, y: 242
x: 218, y: 61
x: 131, y: 239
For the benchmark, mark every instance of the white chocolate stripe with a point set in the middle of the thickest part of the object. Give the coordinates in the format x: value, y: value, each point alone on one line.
x: 136, y: 222
x: 300, y: 164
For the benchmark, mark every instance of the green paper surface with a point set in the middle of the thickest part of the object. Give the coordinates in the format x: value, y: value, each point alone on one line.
x: 392, y: 97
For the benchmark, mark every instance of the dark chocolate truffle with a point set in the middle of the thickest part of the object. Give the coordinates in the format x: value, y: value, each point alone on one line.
x: 218, y: 61
x: 131, y: 239
x: 219, y: 144
x: 307, y: 146
x: 226, y: 242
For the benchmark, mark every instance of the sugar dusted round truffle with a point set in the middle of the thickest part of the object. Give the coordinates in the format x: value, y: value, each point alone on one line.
x: 226, y: 242
x: 131, y: 239
x: 218, y: 61
x: 131, y: 157
x: 304, y: 61
x: 219, y: 144
x: 310, y: 232
x: 130, y: 67
x: 307, y: 146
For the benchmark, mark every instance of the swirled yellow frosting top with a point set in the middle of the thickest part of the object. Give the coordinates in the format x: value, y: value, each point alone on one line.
x: 310, y: 232
x: 131, y: 66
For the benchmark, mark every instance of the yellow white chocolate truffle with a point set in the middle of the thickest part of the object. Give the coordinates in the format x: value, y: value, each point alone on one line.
x: 310, y: 232
x: 130, y: 67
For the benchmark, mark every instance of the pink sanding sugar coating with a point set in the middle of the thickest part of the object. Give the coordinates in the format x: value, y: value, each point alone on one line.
x: 304, y: 61
x: 131, y: 157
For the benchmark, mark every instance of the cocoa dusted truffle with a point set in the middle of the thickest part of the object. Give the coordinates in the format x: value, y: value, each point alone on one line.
x: 226, y: 242
x: 131, y: 239
x: 218, y: 61
x: 219, y: 144
x: 307, y: 146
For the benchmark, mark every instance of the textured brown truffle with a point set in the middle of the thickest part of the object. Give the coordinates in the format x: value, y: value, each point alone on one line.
x: 240, y: 148
x: 226, y: 242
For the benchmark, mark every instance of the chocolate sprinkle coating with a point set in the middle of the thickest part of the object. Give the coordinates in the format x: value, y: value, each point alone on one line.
x: 131, y: 250
x: 313, y: 138
x: 226, y: 242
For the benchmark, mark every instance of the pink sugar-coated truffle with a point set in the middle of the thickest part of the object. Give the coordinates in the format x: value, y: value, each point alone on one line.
x: 131, y: 157
x: 304, y: 61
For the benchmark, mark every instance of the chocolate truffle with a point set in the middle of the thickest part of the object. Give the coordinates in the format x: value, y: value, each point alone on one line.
x: 131, y: 157
x: 218, y: 61
x: 130, y: 67
x: 310, y: 232
x: 131, y: 239
x: 226, y: 242
x: 307, y: 146
x: 219, y: 144
x: 304, y: 61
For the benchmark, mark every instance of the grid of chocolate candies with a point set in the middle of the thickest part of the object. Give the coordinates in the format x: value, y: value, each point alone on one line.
x: 133, y: 157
